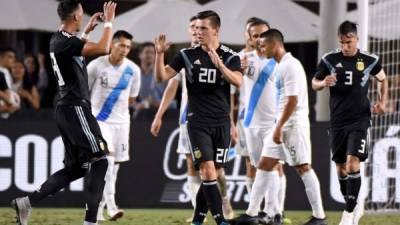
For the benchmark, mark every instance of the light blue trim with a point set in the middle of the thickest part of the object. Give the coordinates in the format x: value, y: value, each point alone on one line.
x: 367, y: 72
x: 114, y: 95
x: 257, y: 91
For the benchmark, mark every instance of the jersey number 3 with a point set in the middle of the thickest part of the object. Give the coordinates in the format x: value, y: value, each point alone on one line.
x: 349, y: 78
x: 56, y: 69
x: 207, y: 75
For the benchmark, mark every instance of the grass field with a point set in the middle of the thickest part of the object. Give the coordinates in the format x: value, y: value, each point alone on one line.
x: 45, y: 216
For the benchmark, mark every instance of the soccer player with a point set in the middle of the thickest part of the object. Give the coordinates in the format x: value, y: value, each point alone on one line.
x: 290, y: 139
x: 114, y: 83
x: 346, y: 73
x: 241, y: 146
x: 85, y: 148
x: 210, y: 68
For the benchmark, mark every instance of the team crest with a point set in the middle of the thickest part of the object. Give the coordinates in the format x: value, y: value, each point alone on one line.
x: 197, y: 154
x: 102, y: 146
x: 360, y: 65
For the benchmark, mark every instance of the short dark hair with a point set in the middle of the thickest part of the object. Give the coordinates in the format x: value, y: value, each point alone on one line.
x: 251, y: 20
x: 214, y: 18
x: 66, y: 8
x: 145, y: 45
x: 193, y: 18
x: 122, y: 34
x: 273, y: 35
x: 258, y: 21
x: 4, y: 50
x: 347, y: 27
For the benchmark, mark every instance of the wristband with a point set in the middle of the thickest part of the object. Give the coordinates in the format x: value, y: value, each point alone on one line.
x: 85, y: 36
x: 108, y: 24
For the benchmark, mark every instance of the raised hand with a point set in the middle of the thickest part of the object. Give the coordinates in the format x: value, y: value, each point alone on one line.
x: 160, y: 43
x: 215, y: 58
x: 109, y: 11
x: 93, y: 22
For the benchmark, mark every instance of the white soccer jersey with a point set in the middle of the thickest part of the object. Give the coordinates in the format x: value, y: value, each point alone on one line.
x: 110, y: 88
x: 181, y: 76
x: 260, y: 92
x: 292, y: 81
x: 242, y: 98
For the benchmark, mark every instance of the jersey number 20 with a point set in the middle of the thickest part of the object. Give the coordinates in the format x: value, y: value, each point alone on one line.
x: 207, y: 75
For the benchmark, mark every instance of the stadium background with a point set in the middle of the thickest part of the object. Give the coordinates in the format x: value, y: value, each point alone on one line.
x: 28, y: 140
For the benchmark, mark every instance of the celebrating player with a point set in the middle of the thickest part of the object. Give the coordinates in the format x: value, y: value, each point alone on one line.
x: 114, y: 83
x: 85, y: 148
x: 346, y: 73
x: 210, y: 68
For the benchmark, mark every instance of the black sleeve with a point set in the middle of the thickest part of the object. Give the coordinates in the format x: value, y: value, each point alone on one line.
x: 377, y: 68
x: 322, y: 71
x: 234, y: 64
x: 75, y: 46
x: 3, y: 83
x: 177, y: 62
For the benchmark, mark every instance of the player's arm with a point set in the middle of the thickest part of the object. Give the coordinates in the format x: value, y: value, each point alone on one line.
x: 233, y: 77
x: 103, y: 46
x: 162, y: 72
x: 383, y: 86
x: 288, y: 110
x: 168, y: 96
x: 234, y: 134
x: 323, y: 78
x: 92, y: 73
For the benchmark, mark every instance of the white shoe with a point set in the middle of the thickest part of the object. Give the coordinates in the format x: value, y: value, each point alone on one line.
x: 114, y: 215
x: 347, y: 218
x: 23, y: 209
x: 358, y: 213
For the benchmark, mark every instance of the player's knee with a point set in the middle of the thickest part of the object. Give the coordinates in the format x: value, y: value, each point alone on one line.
x: 352, y: 164
x: 267, y: 164
x: 208, y: 171
x: 301, y: 169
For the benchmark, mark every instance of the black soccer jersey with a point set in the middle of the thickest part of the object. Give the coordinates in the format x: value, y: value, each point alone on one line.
x: 208, y: 90
x: 349, y: 102
x: 69, y: 68
x: 3, y: 83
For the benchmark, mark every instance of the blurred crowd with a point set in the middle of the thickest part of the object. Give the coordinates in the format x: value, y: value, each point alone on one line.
x: 28, y: 82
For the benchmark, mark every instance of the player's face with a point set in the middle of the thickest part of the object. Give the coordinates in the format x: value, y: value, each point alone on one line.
x: 18, y: 71
x: 121, y: 48
x: 348, y: 44
x: 192, y: 31
x: 205, y: 33
x: 249, y: 42
x: 267, y: 48
x: 255, y: 32
x: 148, y: 55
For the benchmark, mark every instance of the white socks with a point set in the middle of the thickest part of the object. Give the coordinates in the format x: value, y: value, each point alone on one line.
x: 249, y: 184
x: 271, y: 206
x: 282, y: 193
x: 194, y: 185
x: 89, y: 223
x: 109, y: 187
x: 313, y: 192
x: 263, y: 182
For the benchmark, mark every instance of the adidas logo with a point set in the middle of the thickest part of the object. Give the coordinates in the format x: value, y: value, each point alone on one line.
x: 197, y: 62
x: 339, y: 65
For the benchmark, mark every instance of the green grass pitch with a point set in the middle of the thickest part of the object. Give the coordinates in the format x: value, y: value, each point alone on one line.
x: 73, y: 216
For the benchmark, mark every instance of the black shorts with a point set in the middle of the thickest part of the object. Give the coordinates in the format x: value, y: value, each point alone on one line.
x: 352, y: 139
x: 80, y: 133
x: 209, y: 144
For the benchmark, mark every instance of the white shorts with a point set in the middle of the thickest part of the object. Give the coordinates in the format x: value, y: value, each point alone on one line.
x: 256, y: 139
x: 295, y: 148
x: 241, y: 146
x: 184, y: 142
x: 117, y: 138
